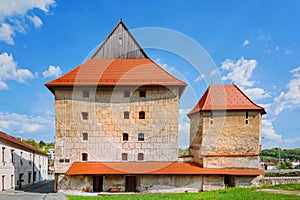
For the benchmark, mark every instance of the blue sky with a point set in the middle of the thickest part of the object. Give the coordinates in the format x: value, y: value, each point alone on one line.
x: 254, y: 44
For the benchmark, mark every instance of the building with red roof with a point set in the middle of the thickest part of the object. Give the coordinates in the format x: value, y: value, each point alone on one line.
x: 117, y: 125
x: 21, y: 164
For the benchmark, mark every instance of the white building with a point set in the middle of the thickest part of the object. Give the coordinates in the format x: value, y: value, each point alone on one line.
x: 21, y: 164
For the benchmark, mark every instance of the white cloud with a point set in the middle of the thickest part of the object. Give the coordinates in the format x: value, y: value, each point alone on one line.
x: 246, y: 42
x: 13, y: 15
x: 36, y: 21
x: 290, y: 99
x: 268, y: 131
x: 27, y: 126
x: 6, y: 33
x: 214, y: 72
x: 52, y: 72
x: 256, y: 93
x: 240, y: 71
x: 9, y: 71
x: 200, y: 77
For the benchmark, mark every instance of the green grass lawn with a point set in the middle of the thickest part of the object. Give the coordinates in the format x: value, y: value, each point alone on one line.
x: 230, y: 194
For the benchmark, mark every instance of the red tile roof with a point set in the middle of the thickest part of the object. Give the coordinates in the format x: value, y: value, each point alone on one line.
x: 22, y: 145
x: 113, y: 72
x: 107, y: 168
x: 225, y: 97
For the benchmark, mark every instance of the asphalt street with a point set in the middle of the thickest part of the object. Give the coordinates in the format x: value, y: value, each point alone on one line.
x: 39, y: 191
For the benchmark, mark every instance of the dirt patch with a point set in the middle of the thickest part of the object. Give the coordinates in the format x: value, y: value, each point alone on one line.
x: 279, y: 191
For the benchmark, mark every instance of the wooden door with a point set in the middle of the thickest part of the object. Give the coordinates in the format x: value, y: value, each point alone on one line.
x: 97, y: 183
x: 130, y: 183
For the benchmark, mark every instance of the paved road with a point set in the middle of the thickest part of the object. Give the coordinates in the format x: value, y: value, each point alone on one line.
x: 42, y: 191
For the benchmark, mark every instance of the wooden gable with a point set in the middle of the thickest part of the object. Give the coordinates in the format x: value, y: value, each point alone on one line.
x: 120, y: 44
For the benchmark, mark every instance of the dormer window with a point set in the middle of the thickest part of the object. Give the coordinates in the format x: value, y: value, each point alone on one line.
x: 120, y: 41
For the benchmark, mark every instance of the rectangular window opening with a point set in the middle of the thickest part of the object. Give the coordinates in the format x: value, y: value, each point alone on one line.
x: 84, y: 157
x: 140, y: 156
x: 247, y: 117
x: 211, y: 117
x: 86, y: 93
x: 142, y: 93
x: 126, y: 115
x: 85, y: 115
x: 126, y: 94
x: 124, y: 156
x: 125, y: 136
x: 120, y: 41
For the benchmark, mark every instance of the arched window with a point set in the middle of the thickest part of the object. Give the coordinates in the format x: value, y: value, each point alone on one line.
x: 85, y: 115
x: 125, y: 136
x: 85, y: 136
x: 140, y: 156
x: 84, y: 157
x: 141, y: 137
x: 141, y: 115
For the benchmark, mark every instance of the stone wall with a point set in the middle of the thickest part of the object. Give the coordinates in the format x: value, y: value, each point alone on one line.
x: 226, y: 133
x: 106, y: 124
x: 82, y: 183
x: 276, y: 180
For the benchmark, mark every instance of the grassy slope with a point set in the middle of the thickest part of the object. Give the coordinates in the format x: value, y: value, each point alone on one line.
x: 231, y: 194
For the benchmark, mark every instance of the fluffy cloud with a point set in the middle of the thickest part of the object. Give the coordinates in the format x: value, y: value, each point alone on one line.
x: 256, y: 93
x: 246, y: 42
x: 9, y: 71
x: 268, y: 131
x: 27, y: 126
x: 13, y: 14
x: 240, y: 71
x: 291, y: 98
x: 52, y: 72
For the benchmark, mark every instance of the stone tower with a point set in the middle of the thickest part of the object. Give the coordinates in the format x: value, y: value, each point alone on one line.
x: 225, y: 129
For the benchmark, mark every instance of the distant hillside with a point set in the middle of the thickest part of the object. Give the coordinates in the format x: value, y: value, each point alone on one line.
x: 291, y: 154
x: 43, y: 146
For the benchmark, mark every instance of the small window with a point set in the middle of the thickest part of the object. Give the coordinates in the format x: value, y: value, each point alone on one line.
x: 140, y: 156
x: 61, y: 160
x: 85, y: 136
x: 21, y: 158
x: 141, y: 137
x: 29, y: 177
x: 3, y: 151
x: 211, y: 117
x: 85, y: 115
x: 247, y: 117
x: 124, y: 156
x: 126, y: 115
x: 126, y: 94
x: 142, y: 93
x: 120, y: 41
x: 142, y: 115
x: 84, y: 157
x: 86, y: 93
x: 67, y: 160
x: 125, y: 136
x: 12, y: 155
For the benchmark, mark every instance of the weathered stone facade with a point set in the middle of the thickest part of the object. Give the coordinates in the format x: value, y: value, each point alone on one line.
x: 226, y: 140
x: 106, y: 124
